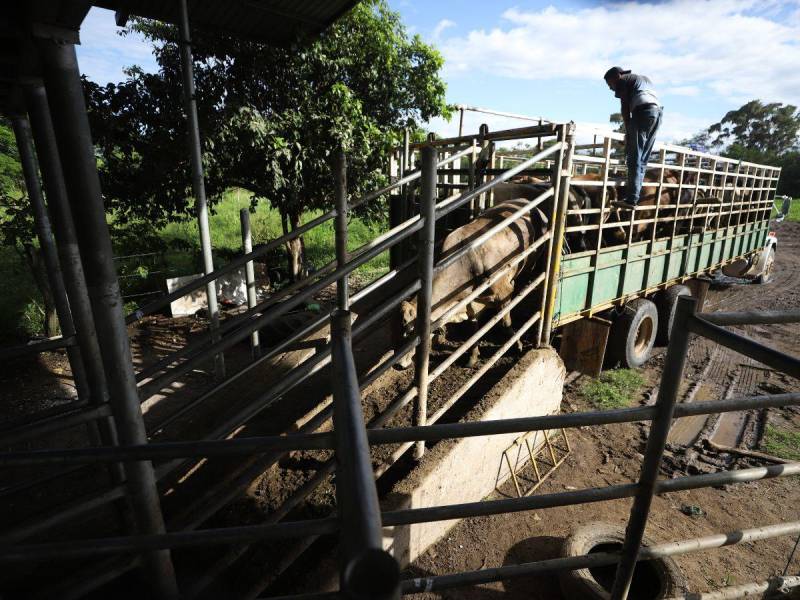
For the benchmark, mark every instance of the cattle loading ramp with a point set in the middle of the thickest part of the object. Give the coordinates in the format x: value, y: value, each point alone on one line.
x: 238, y: 473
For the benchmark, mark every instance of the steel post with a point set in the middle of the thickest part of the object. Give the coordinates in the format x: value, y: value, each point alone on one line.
x: 250, y: 277
x: 562, y: 176
x: 71, y: 264
x: 198, y: 183
x: 41, y: 221
x: 656, y: 440
x: 340, y: 194
x: 73, y: 137
x: 367, y: 571
x: 425, y: 295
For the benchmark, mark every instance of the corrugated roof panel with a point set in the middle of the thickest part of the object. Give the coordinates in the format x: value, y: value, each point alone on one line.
x: 276, y: 22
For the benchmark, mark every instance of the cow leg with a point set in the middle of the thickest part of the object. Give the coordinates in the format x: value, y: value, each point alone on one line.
x: 509, y: 327
x: 440, y: 337
x: 475, y: 354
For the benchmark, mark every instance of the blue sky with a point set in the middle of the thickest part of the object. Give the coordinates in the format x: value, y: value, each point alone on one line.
x: 547, y: 58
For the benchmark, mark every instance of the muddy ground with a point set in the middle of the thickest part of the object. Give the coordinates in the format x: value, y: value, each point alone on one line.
x: 612, y: 455
x: 600, y: 456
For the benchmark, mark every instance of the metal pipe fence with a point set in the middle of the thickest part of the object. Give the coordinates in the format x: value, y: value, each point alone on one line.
x: 642, y: 491
x: 171, y: 457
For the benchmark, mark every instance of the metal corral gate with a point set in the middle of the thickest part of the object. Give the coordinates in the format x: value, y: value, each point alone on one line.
x: 173, y: 463
x: 358, y: 514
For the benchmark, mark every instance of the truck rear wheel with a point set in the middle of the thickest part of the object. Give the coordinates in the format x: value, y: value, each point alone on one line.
x: 633, y: 334
x: 667, y: 302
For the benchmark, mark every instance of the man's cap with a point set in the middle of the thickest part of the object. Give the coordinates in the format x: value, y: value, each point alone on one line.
x: 615, y: 71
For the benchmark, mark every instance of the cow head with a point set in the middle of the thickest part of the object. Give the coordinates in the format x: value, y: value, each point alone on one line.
x: 408, y: 316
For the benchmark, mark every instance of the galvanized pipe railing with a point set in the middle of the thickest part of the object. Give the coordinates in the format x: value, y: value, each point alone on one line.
x: 366, y: 570
x: 267, y: 247
x: 331, y: 525
x: 451, y: 204
x: 429, y: 433
x: 425, y: 294
x: 302, y: 333
x: 677, y: 413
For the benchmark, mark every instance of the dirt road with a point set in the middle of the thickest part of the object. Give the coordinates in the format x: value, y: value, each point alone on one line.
x: 611, y: 455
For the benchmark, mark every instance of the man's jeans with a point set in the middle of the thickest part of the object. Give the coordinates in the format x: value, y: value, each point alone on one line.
x: 639, y: 140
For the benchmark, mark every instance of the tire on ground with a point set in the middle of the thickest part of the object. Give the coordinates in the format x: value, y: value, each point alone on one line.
x: 633, y: 334
x: 653, y: 579
x: 769, y: 263
x: 666, y: 303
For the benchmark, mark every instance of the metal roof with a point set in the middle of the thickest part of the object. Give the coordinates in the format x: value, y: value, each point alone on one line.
x: 273, y: 22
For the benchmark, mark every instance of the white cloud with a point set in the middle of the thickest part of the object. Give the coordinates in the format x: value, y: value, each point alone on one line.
x: 441, y: 26
x: 683, y: 90
x: 692, y: 46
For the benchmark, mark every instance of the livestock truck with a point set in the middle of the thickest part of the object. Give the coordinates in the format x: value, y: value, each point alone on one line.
x: 610, y: 278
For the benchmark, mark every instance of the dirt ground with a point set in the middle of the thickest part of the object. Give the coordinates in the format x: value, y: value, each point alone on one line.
x: 612, y: 455
x: 600, y: 456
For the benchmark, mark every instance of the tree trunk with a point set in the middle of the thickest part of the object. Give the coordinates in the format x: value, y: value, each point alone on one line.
x: 33, y: 257
x: 295, y: 248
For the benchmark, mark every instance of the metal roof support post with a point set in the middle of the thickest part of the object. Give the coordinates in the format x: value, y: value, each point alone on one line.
x: 74, y: 140
x: 367, y: 570
x: 44, y: 138
x: 22, y: 131
x: 198, y: 183
x: 656, y: 440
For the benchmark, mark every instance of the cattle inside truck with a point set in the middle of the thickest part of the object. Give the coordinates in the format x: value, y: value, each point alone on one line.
x: 612, y: 275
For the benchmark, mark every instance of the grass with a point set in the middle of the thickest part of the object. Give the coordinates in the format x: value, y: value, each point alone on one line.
x: 20, y: 298
x: 781, y: 443
x: 794, y: 211
x: 613, y: 389
x: 265, y: 224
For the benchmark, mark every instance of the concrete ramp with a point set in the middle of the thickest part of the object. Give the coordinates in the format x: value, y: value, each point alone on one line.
x: 469, y: 469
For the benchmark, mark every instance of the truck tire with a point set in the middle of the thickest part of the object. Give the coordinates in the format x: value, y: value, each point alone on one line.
x: 633, y: 334
x: 769, y: 263
x: 652, y: 579
x: 666, y: 303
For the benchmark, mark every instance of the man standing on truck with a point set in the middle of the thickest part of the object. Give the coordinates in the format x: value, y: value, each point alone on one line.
x: 641, y: 112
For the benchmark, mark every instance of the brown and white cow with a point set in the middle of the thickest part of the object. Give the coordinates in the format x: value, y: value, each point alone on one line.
x: 455, y: 282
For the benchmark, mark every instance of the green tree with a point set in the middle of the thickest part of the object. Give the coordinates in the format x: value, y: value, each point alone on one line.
x: 770, y: 129
x: 16, y: 226
x: 763, y: 133
x: 270, y: 117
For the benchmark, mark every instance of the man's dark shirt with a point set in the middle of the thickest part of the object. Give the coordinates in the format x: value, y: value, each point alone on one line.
x: 635, y: 90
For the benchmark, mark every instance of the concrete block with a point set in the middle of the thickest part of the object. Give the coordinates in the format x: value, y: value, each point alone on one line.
x: 469, y: 469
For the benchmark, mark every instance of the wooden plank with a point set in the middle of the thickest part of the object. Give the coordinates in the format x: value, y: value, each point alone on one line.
x: 583, y: 345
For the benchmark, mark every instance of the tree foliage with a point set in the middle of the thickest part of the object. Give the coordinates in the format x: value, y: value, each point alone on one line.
x: 270, y: 118
x: 760, y: 133
x: 770, y: 129
x: 17, y: 232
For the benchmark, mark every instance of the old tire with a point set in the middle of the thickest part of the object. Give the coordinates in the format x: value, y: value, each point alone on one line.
x: 769, y: 264
x: 666, y: 303
x: 652, y: 579
x: 633, y: 334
